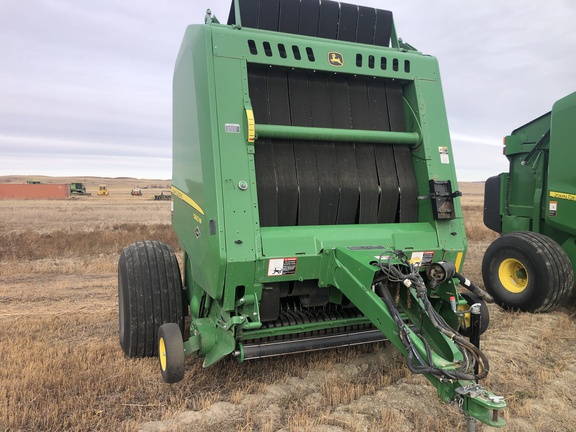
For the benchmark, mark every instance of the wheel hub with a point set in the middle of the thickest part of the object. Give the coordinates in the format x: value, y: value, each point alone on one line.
x: 162, y: 354
x: 513, y: 275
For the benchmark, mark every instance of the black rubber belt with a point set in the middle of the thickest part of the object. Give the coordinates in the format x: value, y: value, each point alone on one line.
x: 309, y: 13
x: 328, y: 22
x: 248, y: 13
x: 365, y: 157
x: 326, y: 19
x: 345, y: 152
x: 327, y: 183
x: 289, y: 16
x: 268, y: 14
x: 266, y: 183
x: 283, y: 149
x: 347, y: 22
x: 408, y: 211
x: 383, y: 29
x: 325, y: 151
x: 366, y: 25
x: 387, y: 176
x: 304, y: 153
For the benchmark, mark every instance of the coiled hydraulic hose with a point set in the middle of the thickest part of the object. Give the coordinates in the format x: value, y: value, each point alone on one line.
x: 408, y: 275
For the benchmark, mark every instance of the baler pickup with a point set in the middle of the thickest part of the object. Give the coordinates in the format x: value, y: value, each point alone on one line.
x: 315, y: 199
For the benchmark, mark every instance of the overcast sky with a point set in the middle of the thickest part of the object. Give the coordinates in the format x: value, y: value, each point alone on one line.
x: 85, y: 86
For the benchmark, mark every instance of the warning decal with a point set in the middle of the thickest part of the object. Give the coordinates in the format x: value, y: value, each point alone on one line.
x: 553, y: 208
x: 424, y: 258
x: 282, y: 266
x: 444, y: 157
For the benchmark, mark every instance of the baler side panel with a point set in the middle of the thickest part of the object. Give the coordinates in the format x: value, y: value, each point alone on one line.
x: 560, y: 199
x: 524, y: 195
x: 241, y: 225
x: 433, y: 158
x: 196, y: 166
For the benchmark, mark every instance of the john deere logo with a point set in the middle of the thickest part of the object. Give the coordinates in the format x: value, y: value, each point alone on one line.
x: 335, y: 59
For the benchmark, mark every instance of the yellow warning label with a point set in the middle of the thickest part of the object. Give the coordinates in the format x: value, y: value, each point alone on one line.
x: 251, y: 129
x: 562, y: 195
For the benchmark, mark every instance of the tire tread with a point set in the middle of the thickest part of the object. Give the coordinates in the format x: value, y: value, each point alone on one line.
x: 554, y: 274
x: 151, y: 286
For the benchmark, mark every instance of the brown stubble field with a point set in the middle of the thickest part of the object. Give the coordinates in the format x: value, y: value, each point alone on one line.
x: 62, y: 367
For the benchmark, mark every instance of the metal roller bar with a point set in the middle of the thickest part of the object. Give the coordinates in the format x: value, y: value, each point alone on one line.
x: 270, y: 349
x: 331, y: 134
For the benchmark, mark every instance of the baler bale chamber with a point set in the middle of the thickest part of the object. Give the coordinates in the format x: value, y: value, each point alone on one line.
x: 315, y: 199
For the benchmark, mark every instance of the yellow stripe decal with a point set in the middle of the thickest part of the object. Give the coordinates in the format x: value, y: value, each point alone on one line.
x: 458, y: 262
x: 251, y: 128
x: 177, y: 192
x: 562, y: 195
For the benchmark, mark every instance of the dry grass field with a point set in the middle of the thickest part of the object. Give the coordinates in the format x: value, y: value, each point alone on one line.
x: 62, y: 367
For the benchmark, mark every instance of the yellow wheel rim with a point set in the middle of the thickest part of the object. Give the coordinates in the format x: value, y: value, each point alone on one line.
x: 513, y: 275
x: 162, y: 354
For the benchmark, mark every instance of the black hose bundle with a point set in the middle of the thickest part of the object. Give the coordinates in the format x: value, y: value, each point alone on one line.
x: 408, y: 275
x: 470, y: 286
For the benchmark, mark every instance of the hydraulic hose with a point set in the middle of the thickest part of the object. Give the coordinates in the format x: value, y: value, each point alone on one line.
x: 384, y: 293
x: 467, y: 348
x: 407, y: 274
x: 471, y: 354
x: 470, y: 286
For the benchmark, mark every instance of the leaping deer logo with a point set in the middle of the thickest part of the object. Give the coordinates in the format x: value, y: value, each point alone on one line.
x: 335, y: 59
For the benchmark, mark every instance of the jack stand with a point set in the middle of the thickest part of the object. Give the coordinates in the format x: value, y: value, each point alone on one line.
x: 471, y: 425
x: 475, y: 318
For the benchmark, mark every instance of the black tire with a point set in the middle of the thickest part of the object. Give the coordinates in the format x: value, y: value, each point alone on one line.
x: 171, y: 353
x: 149, y: 295
x: 527, y: 271
x: 471, y: 298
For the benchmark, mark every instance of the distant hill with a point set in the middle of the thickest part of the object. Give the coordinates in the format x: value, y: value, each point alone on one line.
x: 92, y: 183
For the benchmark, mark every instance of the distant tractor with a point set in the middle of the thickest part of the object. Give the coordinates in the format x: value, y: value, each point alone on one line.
x: 78, y: 188
x: 102, y: 190
x: 164, y: 196
x: 136, y: 191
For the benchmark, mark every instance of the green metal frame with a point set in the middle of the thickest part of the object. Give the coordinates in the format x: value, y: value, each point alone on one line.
x: 215, y: 204
x: 538, y: 193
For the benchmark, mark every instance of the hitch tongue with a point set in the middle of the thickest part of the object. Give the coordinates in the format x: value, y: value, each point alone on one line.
x: 476, y: 402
